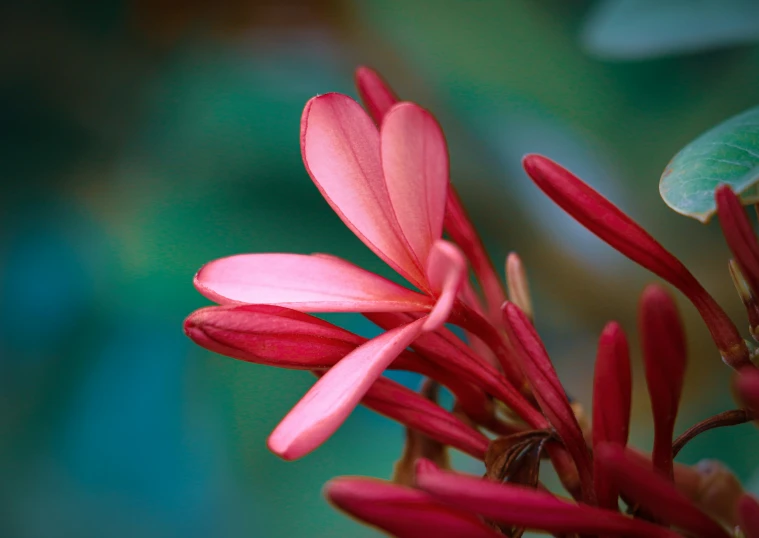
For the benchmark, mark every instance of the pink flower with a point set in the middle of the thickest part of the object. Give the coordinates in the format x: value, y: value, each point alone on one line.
x: 390, y: 186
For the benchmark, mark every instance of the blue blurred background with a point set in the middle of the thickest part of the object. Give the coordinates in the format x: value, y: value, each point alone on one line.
x: 143, y: 138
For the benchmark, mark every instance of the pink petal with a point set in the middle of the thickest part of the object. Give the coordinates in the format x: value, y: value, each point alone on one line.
x: 446, y: 271
x: 276, y: 336
x: 341, y: 151
x: 415, y: 163
x: 655, y: 493
x: 526, y: 507
x: 402, y: 511
x: 612, y: 394
x: 329, y: 402
x: 270, y: 335
x: 516, y: 280
x: 748, y: 516
x: 377, y: 96
x: 308, y: 283
x: 548, y: 390
x: 665, y: 359
x: 444, y: 348
x: 611, y: 225
x: 415, y: 411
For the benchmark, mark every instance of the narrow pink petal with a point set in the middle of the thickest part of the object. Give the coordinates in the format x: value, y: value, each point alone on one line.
x: 270, y: 335
x: 739, y: 234
x: 308, y: 283
x: 612, y: 396
x: 748, y: 516
x: 376, y: 94
x: 403, y: 512
x: 415, y: 411
x: 665, y: 358
x: 276, y: 336
x: 341, y: 151
x: 446, y: 271
x: 415, y: 163
x: 444, y: 348
x: 526, y: 507
x: 461, y: 230
x: 329, y: 402
x: 641, y: 485
x: 611, y: 225
x: 548, y: 391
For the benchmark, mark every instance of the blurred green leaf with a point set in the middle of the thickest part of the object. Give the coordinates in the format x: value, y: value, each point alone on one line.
x: 641, y: 29
x: 728, y: 153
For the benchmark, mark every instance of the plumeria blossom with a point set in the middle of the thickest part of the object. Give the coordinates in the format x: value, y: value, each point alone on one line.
x: 390, y: 186
x: 384, y: 171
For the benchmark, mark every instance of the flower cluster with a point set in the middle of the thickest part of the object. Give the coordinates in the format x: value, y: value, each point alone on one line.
x: 385, y: 173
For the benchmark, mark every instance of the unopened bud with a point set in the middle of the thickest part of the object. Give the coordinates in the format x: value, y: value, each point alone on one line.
x: 518, y: 287
x: 748, y: 298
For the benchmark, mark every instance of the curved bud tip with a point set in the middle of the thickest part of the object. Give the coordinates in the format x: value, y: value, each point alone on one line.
x: 446, y: 271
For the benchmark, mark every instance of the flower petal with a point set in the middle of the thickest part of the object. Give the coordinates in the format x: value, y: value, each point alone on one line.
x: 548, y: 390
x: 526, y: 507
x: 402, y: 511
x: 446, y: 271
x: 655, y: 493
x: 341, y: 151
x: 612, y: 394
x: 665, y: 359
x: 415, y: 411
x: 444, y: 348
x: 415, y: 164
x: 516, y: 280
x: 606, y: 221
x: 312, y: 283
x: 329, y: 402
x: 376, y: 94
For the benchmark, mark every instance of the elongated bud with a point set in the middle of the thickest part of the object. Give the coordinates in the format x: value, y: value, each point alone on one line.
x: 612, y: 396
x: 665, y: 358
x: 611, y: 225
x: 548, y: 391
x: 739, y: 235
x: 516, y: 280
x: 748, y: 298
x: 655, y: 494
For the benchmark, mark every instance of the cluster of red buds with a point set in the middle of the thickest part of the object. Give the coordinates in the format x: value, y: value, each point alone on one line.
x: 385, y: 173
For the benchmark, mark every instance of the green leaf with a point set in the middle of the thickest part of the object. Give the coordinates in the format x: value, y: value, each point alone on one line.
x: 728, y: 153
x: 642, y: 29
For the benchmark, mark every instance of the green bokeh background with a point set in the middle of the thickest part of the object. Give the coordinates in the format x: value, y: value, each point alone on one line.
x: 142, y: 139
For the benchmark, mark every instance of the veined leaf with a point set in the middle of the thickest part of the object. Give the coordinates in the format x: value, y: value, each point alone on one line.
x: 728, y: 153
